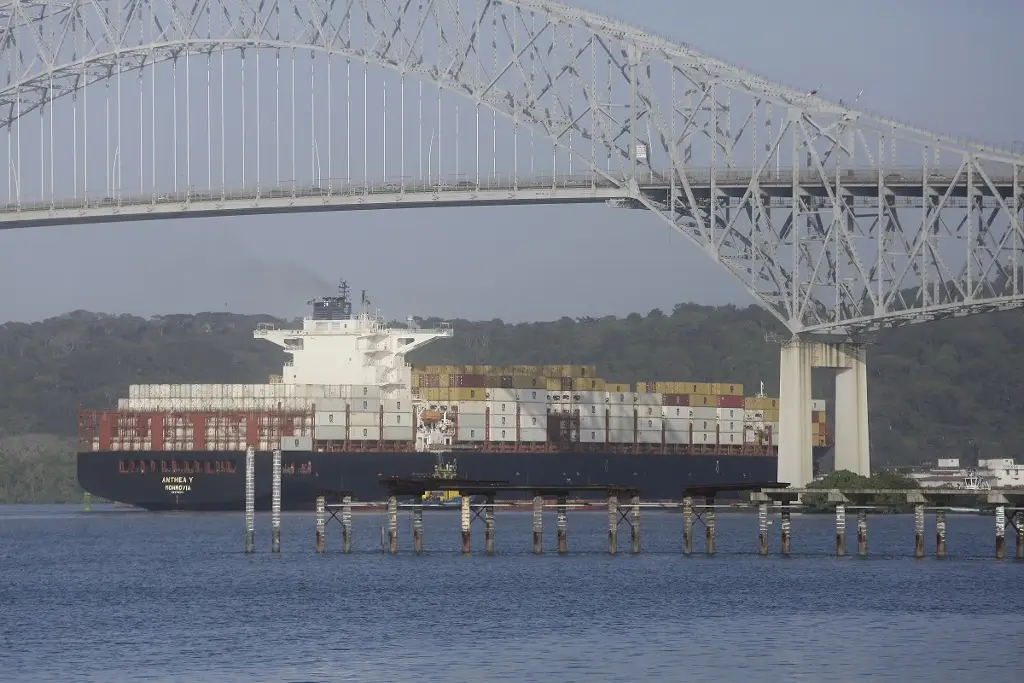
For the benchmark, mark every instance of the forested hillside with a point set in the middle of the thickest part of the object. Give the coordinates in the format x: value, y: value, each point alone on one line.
x: 943, y: 389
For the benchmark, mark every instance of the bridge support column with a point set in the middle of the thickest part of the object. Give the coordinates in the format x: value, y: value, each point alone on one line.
x: 852, y: 413
x: 796, y: 465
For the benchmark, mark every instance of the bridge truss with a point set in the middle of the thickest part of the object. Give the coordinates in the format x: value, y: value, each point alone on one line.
x: 836, y: 220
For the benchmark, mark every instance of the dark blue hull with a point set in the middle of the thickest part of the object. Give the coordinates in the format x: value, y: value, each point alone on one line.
x: 215, y: 480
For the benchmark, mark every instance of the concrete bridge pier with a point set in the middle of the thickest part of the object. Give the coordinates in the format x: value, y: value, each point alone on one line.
x: 798, y: 360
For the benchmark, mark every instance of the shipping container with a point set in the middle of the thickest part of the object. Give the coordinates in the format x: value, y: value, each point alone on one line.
x: 364, y: 433
x: 330, y: 433
x: 771, y: 415
x: 648, y: 424
x: 442, y: 395
x: 675, y: 412
x: 398, y: 419
x: 703, y: 413
x: 621, y: 436
x: 528, y: 382
x: 533, y: 421
x: 726, y: 401
x: 622, y: 398
x: 597, y: 397
x: 502, y: 408
x: 592, y: 435
x: 700, y: 388
x: 817, y: 428
x: 502, y: 421
x: 472, y: 408
x: 648, y: 399
x: 297, y: 443
x: 567, y: 384
x: 331, y: 419
x: 703, y: 400
x: 364, y: 419
x: 621, y: 423
x: 397, y: 405
x: 704, y: 425
x: 818, y: 405
x: 704, y: 437
x: 592, y: 422
x: 534, y: 434
x: 532, y: 396
x: 470, y: 433
x: 724, y: 414
x: 472, y: 420
x: 332, y: 405
x: 364, y: 405
x: 398, y: 434
x: 730, y: 426
x: 532, y: 410
x: 670, y: 387
x: 730, y: 438
x: 616, y: 410
x: 949, y: 462
x: 645, y: 387
x: 503, y: 434
x: 761, y: 403
x: 675, y: 399
x: 818, y: 416
x: 649, y: 410
x: 502, y: 395
x: 591, y: 410
x: 648, y: 437
x: 677, y: 431
x: 617, y: 388
x: 554, y: 383
x: 588, y: 384
x: 727, y: 389
x: 468, y: 394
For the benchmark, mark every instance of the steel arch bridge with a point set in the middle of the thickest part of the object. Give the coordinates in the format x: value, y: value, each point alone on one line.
x: 834, y: 219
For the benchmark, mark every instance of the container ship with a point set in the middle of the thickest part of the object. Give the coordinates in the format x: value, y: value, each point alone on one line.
x: 348, y: 409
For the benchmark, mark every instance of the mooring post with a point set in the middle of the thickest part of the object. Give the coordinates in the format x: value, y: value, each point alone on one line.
x: 762, y: 528
x: 538, y: 525
x: 785, y: 527
x: 392, y: 524
x: 321, y: 507
x: 709, y: 525
x: 464, y: 515
x: 275, y: 503
x: 840, y: 530
x: 250, y: 498
x: 563, y: 546
x: 489, y: 524
x: 687, y: 525
x: 613, y: 524
x: 346, y: 524
x: 1000, y: 532
x: 1019, y: 528
x: 417, y: 528
x: 940, y: 532
x: 862, y: 532
x: 919, y: 531
x: 635, y: 532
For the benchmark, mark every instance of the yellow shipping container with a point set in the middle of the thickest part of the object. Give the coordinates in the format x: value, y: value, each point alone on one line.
x: 618, y: 388
x: 726, y: 389
x: 439, y: 395
x: 671, y: 387
x: 415, y: 380
x: 274, y: 379
x: 528, y: 382
x: 818, y: 416
x: 697, y: 388
x: 771, y: 414
x: 469, y: 394
x: 588, y: 384
x: 554, y: 383
x: 701, y: 400
x: 760, y: 403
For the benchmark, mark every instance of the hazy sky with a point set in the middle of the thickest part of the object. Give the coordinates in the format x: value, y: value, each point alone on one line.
x: 949, y: 66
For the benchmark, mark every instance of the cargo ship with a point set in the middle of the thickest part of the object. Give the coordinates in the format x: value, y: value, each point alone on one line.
x: 348, y: 409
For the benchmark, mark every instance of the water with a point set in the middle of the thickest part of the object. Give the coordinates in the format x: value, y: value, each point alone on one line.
x: 115, y: 596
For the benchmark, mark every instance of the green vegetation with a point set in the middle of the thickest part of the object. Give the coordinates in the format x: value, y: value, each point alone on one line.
x: 949, y: 389
x: 845, y: 479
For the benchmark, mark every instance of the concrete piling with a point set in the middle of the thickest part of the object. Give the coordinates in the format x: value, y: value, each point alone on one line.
x: 635, y: 531
x: 392, y: 524
x: 785, y: 527
x: 919, y: 531
x: 940, y: 533
x: 321, y: 520
x: 563, y: 545
x: 613, y: 524
x: 1000, y: 532
x: 275, y: 503
x: 538, y: 525
x: 687, y: 525
x: 762, y: 528
x: 1019, y: 528
x: 840, y: 530
x: 346, y: 524
x: 862, y: 533
x: 465, y: 521
x: 709, y: 526
x: 489, y: 525
x: 250, y: 499
x: 417, y: 529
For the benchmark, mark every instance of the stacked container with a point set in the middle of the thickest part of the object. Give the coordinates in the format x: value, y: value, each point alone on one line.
x: 364, y: 413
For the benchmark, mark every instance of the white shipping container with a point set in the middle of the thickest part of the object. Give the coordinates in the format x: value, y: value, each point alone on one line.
x: 598, y: 397
x: 620, y: 436
x: 533, y: 434
x: 397, y: 405
x: 364, y: 419
x: 588, y: 423
x: 472, y: 408
x: 750, y: 436
x: 730, y: 427
x: 472, y: 420
x: 649, y: 399
x: 329, y: 419
x: 704, y: 437
x: 592, y: 436
x: 133, y: 391
x: 621, y: 398
x: 532, y: 396
x: 533, y: 409
x: 364, y: 391
x: 817, y: 404
x: 398, y: 434
x: 364, y: 405
x: 704, y: 425
x: 403, y: 419
x: 331, y: 405
x: 498, y: 395
x: 621, y: 424
x: 648, y: 437
x: 296, y: 443
x: 330, y: 432
x: 621, y: 410
x: 503, y: 435
x: 675, y: 412
x: 949, y: 462
x: 725, y: 414
x: 649, y: 424
x: 502, y: 407
x: 534, y: 422
x: 677, y: 433
x: 503, y: 421
x: 703, y: 413
x: 592, y: 409
x: 648, y: 411
x: 731, y: 439
x: 467, y: 433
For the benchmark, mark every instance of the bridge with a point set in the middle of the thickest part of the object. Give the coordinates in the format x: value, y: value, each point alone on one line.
x: 838, y: 221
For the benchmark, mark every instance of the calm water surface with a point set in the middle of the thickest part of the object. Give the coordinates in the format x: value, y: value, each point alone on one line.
x: 117, y: 595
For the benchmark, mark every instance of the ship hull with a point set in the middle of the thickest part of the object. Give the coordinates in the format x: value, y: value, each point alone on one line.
x: 191, y: 480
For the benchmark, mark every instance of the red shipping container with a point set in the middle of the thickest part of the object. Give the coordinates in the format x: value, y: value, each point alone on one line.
x: 677, y: 400
x: 469, y: 381
x: 730, y: 402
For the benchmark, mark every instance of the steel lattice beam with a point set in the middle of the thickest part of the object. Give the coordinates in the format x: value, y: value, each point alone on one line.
x: 835, y: 219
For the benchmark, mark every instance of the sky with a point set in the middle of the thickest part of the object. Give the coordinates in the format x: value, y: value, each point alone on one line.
x: 948, y: 66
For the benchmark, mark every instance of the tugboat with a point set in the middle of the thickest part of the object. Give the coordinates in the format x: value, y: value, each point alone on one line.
x: 445, y: 500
